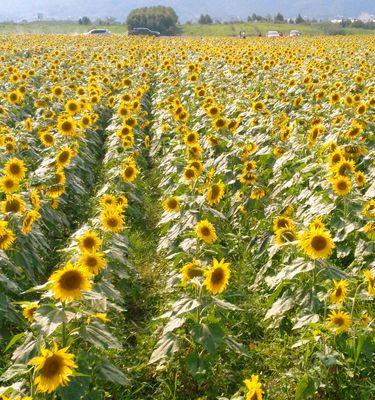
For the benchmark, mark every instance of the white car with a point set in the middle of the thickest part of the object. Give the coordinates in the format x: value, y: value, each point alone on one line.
x: 95, y: 31
x: 294, y: 33
x: 273, y: 34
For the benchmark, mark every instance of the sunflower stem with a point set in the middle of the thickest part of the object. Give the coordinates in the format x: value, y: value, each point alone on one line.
x: 63, y: 327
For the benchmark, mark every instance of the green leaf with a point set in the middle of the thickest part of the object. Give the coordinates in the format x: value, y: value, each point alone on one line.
x: 305, y: 388
x: 13, y: 371
x: 14, y: 340
x: 209, y: 336
x: 76, y: 389
x: 196, y: 365
x: 110, y: 373
x: 98, y: 334
x: 225, y: 304
x: 185, y: 305
x: 166, y: 346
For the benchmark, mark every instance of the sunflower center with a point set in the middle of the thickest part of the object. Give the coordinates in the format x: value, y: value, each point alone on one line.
x: 215, y: 191
x: 52, y: 366
x: 88, y: 243
x: 66, y: 126
x: 338, y: 291
x: 91, y: 261
x: 205, y: 231
x: 217, y: 276
x: 342, y: 185
x: 189, y: 173
x: 12, y: 206
x: 339, y: 321
x: 64, y: 156
x: 319, y: 243
x: 172, y: 203
x: 15, y: 169
x: 112, y: 222
x: 9, y: 183
x: 3, y: 238
x: 48, y: 138
x: 129, y: 172
x: 71, y: 280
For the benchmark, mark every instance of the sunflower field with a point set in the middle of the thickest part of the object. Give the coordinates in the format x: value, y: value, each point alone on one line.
x: 187, y: 219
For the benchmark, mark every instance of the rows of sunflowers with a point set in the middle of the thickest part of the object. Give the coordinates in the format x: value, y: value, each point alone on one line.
x: 187, y: 218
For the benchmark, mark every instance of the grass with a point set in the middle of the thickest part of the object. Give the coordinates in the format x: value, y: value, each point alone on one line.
x: 229, y: 29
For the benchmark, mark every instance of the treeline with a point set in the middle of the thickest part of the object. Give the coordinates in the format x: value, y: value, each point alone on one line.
x: 279, y: 18
x: 159, y: 18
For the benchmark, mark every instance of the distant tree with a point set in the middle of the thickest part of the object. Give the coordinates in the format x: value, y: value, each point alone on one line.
x: 40, y: 16
x: 205, y: 19
x: 84, y: 21
x: 279, y: 17
x: 254, y: 17
x: 299, y: 19
x: 158, y: 18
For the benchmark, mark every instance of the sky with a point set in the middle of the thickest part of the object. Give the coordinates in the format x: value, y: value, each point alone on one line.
x: 186, y: 9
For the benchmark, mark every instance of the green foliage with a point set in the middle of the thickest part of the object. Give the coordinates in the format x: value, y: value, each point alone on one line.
x: 159, y: 18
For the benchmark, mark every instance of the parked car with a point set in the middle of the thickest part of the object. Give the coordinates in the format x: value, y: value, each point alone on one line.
x: 98, y: 32
x: 143, y: 32
x: 273, y: 34
x: 294, y: 33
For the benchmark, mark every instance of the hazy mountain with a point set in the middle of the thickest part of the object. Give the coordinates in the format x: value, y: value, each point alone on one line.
x: 186, y: 9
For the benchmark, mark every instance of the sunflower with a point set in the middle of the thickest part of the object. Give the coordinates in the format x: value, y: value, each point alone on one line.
x: 220, y: 123
x: 13, y: 203
x: 206, y: 231
x: 190, y: 173
x: 254, y: 388
x: 47, y: 139
x: 53, y: 368
x: 69, y: 282
x: 370, y: 280
x: 339, y: 292
x: 369, y: 229
x: 7, y: 236
x: 129, y: 172
x: 282, y: 222
x: 66, y: 126
x: 112, y: 220
x: 258, y: 106
x: 191, y: 138
x: 339, y: 321
x: 341, y: 185
x: 257, y: 193
x: 92, y: 261
x: 215, y: 193
x: 28, y: 221
x: 57, y: 91
x: 29, y: 311
x: 15, y: 168
x: 285, y: 235
x: 316, y: 243
x: 335, y: 157
x: 108, y: 200
x: 64, y: 157
x: 35, y: 199
x: 171, y: 204
x: 9, y: 184
x: 191, y: 270
x: 217, y: 277
x: 317, y: 223
x: 344, y: 167
x: 248, y: 178
x: 89, y: 242
x: 360, y: 178
x: 369, y: 209
x: 72, y: 107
